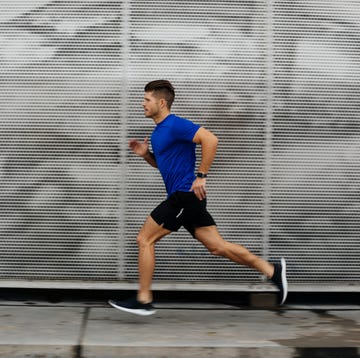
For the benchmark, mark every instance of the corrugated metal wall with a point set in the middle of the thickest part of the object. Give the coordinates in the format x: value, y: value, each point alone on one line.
x: 277, y: 81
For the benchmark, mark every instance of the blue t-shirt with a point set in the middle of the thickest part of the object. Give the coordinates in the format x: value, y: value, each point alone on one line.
x: 174, y: 152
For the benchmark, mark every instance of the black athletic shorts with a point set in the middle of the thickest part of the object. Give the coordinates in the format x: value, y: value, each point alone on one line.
x: 182, y: 209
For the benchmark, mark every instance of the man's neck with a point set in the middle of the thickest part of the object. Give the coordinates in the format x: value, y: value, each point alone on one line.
x: 158, y: 119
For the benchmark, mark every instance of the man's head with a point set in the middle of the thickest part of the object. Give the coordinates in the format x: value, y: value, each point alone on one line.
x: 162, y: 89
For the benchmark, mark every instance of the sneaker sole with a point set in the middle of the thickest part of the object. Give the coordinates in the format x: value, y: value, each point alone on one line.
x: 139, y: 312
x: 284, y: 280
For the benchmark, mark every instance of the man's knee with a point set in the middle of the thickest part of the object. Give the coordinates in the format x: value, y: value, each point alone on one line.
x: 143, y: 241
x: 217, y: 249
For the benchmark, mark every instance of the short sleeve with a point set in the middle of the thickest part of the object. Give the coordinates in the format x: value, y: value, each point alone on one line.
x: 184, y: 129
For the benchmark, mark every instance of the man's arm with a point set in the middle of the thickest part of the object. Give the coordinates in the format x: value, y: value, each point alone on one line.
x: 150, y: 158
x: 142, y: 150
x: 208, y: 142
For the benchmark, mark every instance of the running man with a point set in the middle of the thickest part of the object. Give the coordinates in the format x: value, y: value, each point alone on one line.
x: 173, y: 142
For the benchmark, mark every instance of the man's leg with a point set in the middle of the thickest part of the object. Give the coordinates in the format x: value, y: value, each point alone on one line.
x: 149, y: 234
x: 210, y: 237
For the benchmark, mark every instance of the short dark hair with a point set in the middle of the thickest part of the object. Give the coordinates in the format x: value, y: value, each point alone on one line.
x: 163, y: 88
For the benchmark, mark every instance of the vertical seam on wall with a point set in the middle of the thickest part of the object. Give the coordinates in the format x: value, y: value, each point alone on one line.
x: 269, y: 70
x: 124, y: 90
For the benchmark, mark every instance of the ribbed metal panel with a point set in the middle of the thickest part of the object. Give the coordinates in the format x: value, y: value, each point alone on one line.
x: 277, y: 81
x: 316, y: 132
x: 60, y: 103
x: 215, y: 53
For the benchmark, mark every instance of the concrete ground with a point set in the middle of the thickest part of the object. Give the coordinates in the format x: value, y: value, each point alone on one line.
x: 34, y: 327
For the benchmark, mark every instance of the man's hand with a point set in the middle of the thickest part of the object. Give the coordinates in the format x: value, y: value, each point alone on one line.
x: 139, y: 148
x: 198, y: 187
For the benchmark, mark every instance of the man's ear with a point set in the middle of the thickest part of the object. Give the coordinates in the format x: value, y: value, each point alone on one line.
x: 163, y: 102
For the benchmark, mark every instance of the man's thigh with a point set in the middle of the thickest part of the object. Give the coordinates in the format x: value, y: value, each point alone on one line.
x: 208, y: 235
x: 151, y: 231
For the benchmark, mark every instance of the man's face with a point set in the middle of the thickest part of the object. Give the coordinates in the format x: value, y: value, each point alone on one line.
x: 151, y: 105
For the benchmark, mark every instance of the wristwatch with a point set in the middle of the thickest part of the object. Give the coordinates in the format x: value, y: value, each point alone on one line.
x: 201, y: 175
